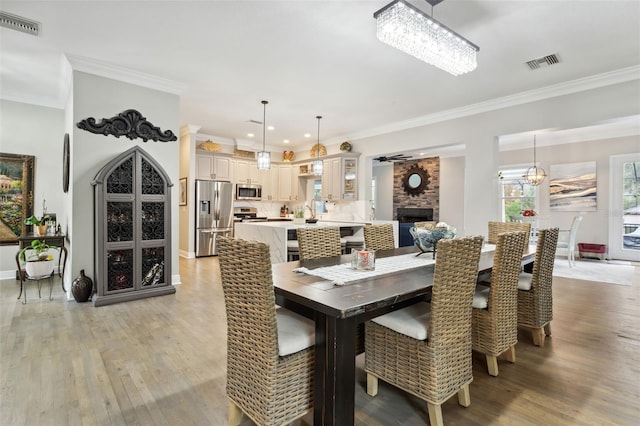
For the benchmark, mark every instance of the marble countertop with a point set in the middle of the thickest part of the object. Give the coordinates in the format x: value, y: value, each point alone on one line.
x: 292, y: 225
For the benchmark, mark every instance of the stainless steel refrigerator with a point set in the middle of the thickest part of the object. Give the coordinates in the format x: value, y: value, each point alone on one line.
x: 214, y: 214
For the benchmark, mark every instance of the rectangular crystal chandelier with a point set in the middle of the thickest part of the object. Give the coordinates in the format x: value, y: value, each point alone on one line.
x: 410, y: 30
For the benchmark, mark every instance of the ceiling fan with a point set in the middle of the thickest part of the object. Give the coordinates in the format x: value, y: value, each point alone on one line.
x: 392, y: 158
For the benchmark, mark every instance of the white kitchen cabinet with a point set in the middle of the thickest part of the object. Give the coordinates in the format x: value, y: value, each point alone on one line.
x: 284, y: 182
x: 339, y: 179
x: 349, y: 178
x: 331, y: 179
x: 270, y: 183
x: 247, y: 172
x: 210, y: 166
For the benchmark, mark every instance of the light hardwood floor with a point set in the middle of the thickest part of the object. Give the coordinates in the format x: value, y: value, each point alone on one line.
x: 161, y: 361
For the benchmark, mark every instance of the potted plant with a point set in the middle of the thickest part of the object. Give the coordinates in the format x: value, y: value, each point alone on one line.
x: 312, y: 212
x: 298, y: 215
x: 38, y: 260
x: 39, y: 223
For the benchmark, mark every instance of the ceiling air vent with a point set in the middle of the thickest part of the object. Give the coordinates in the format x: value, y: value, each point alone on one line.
x: 544, y: 61
x: 19, y: 23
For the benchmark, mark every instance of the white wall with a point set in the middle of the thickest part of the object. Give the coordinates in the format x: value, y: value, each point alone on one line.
x: 384, y: 191
x: 38, y: 131
x: 479, y: 134
x: 100, y: 97
x: 452, y: 205
x: 186, y: 219
x: 595, y: 225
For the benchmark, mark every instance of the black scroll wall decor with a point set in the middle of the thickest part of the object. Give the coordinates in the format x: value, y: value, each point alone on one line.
x: 129, y: 123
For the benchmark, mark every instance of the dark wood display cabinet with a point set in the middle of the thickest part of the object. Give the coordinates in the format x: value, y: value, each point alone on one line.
x: 132, y: 195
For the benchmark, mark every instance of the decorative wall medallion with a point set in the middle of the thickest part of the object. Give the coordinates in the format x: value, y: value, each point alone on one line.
x: 244, y: 154
x: 318, y: 151
x: 415, y: 181
x: 287, y: 156
x: 209, y: 146
x: 65, y: 163
x: 129, y: 123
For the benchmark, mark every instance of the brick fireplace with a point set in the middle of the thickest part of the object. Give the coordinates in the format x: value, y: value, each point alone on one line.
x: 408, y: 208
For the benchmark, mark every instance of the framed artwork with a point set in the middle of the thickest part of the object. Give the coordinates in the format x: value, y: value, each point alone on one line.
x: 182, y: 192
x: 16, y: 195
x: 573, y: 187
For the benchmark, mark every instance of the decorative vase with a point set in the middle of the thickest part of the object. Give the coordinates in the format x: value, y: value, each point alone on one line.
x: 82, y: 287
x: 40, y: 268
x: 41, y: 230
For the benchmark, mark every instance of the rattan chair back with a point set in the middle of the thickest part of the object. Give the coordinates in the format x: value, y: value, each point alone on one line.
x: 535, y: 306
x: 436, y: 368
x: 495, y: 329
x: 379, y: 237
x: 268, y: 388
x: 454, y: 280
x: 496, y: 228
x: 316, y: 243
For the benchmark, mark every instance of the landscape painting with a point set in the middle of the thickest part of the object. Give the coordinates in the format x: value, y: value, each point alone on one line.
x: 16, y: 195
x: 572, y: 187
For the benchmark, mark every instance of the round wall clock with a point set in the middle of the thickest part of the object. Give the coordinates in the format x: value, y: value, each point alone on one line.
x: 65, y: 163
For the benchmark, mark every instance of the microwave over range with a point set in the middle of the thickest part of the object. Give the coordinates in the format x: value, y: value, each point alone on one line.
x: 246, y: 191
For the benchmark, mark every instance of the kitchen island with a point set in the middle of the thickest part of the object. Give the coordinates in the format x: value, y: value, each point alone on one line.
x: 275, y: 234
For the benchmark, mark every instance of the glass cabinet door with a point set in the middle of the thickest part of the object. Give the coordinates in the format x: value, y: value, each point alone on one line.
x: 350, y: 170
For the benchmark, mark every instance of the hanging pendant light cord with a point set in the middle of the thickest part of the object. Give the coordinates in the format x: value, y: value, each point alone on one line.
x: 264, y: 121
x: 318, y: 145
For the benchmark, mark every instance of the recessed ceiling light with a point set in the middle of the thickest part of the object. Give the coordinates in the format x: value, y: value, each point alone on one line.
x: 250, y: 135
x: 307, y: 135
x: 422, y: 153
x: 286, y: 141
x: 270, y: 128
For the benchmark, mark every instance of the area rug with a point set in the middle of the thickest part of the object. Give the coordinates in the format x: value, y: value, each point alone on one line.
x: 610, y: 272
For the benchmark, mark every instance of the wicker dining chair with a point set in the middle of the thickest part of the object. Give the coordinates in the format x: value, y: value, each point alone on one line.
x: 429, y: 224
x: 316, y: 243
x: 270, y: 351
x: 425, y: 349
x: 495, y: 317
x: 496, y: 228
x: 379, y: 237
x: 535, y: 301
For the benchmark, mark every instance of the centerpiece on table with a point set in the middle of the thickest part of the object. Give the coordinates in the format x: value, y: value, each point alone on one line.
x: 427, y: 239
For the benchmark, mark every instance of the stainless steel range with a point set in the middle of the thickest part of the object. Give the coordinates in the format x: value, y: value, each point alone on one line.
x: 247, y: 214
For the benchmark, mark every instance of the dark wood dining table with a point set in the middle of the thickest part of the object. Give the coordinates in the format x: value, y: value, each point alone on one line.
x: 338, y: 309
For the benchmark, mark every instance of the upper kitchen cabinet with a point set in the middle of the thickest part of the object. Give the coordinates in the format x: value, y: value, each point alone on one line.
x: 270, y: 183
x: 349, y: 178
x: 287, y: 183
x: 247, y: 172
x: 339, y: 178
x: 210, y: 166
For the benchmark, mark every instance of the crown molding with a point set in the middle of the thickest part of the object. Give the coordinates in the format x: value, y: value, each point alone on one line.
x: 574, y: 86
x: 188, y: 129
x: 115, y: 72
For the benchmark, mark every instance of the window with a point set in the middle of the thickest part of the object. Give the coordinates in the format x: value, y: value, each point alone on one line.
x: 631, y: 196
x: 317, y: 197
x: 516, y: 194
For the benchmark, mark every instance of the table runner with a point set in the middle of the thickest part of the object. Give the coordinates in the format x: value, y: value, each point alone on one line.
x: 344, y: 273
